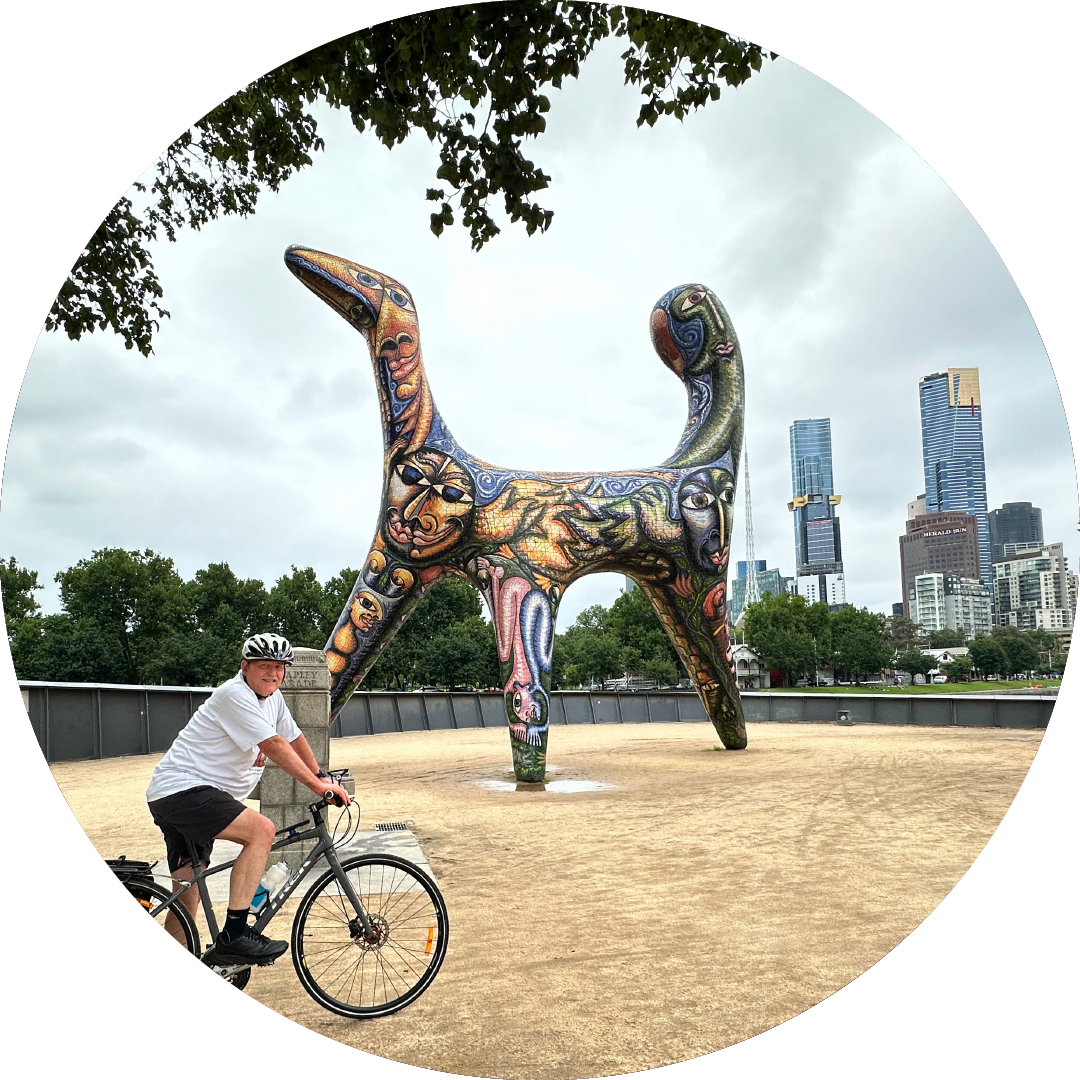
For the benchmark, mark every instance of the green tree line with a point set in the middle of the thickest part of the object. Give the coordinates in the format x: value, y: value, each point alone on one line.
x: 797, y: 639
x: 129, y: 617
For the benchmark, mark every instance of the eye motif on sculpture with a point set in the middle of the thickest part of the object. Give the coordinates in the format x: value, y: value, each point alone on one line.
x: 365, y: 611
x: 522, y: 537
x: 705, y: 500
x: 431, y: 504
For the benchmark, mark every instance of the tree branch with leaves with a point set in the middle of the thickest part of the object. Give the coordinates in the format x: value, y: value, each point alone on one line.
x: 472, y: 78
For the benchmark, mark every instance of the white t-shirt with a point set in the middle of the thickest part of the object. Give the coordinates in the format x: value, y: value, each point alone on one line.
x: 219, y: 745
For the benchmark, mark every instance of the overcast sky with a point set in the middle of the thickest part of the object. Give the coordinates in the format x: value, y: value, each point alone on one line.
x: 848, y: 268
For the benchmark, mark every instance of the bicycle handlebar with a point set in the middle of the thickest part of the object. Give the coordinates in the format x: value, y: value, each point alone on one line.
x: 337, y: 776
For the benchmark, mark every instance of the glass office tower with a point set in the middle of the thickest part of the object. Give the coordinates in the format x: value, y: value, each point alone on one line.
x: 1018, y: 525
x: 819, y: 566
x: 953, y: 462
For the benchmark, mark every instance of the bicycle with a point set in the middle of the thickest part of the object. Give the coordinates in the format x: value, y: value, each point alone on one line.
x: 367, y: 939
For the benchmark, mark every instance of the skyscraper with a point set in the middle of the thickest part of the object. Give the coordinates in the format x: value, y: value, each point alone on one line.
x: 819, y: 567
x: 946, y: 544
x: 953, y: 462
x: 1015, y: 523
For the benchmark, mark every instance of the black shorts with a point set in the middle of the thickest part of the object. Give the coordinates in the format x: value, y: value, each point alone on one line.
x: 197, y: 814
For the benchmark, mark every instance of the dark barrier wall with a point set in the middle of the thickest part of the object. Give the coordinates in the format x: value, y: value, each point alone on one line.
x: 73, y: 721
x: 86, y: 720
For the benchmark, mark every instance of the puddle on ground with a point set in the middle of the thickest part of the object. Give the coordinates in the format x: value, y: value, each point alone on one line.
x: 561, y: 786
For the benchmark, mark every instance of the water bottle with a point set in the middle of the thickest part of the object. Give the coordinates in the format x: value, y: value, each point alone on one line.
x: 271, y: 880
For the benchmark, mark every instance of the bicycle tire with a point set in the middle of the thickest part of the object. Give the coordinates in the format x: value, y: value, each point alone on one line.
x: 362, y: 980
x: 150, y: 894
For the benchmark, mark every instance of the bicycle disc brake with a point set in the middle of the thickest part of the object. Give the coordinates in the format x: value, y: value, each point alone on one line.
x: 380, y: 929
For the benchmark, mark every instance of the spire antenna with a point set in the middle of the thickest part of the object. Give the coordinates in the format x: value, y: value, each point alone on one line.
x: 752, y: 593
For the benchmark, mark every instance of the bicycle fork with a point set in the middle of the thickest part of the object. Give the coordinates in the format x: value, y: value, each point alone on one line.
x: 362, y: 923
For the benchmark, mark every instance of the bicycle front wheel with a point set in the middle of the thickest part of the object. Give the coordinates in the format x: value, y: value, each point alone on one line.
x: 150, y: 896
x: 350, y: 975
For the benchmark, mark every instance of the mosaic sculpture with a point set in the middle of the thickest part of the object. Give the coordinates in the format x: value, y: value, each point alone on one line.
x: 523, y: 537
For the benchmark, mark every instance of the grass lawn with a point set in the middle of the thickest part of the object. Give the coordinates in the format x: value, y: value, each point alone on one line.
x: 937, y: 688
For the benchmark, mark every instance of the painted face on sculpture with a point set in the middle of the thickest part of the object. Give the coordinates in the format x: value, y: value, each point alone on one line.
x: 364, y: 611
x: 705, y: 500
x: 688, y: 330
x: 431, y: 504
x: 397, y: 334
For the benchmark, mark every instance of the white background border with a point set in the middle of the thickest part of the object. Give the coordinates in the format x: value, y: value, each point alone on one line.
x: 986, y: 93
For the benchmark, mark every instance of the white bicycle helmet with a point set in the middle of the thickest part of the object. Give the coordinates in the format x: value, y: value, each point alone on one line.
x: 268, y: 647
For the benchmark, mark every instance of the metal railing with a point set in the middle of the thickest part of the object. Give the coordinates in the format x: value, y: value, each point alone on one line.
x: 76, y: 721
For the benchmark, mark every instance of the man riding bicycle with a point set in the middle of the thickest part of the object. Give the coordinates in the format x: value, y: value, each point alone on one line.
x: 215, y: 761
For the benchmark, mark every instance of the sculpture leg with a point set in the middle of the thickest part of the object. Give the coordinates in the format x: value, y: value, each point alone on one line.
x: 524, y: 619
x: 699, y: 634
x: 385, y: 594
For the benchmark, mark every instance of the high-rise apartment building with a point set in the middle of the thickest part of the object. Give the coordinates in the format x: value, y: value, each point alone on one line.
x: 823, y: 589
x: 1015, y: 524
x: 946, y: 544
x: 819, y: 566
x: 1034, y: 590
x: 953, y: 463
x: 768, y: 581
x: 947, y: 602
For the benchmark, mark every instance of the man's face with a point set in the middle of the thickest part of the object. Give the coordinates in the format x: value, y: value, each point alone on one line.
x: 263, y: 676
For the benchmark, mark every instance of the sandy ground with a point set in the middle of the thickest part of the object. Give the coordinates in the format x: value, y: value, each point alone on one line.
x: 700, y: 898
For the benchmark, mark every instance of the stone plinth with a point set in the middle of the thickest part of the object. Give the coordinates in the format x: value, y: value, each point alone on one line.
x: 282, y: 799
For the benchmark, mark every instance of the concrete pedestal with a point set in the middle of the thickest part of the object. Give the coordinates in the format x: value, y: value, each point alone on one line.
x: 282, y: 799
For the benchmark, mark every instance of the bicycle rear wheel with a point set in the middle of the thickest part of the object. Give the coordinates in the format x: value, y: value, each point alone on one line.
x: 364, y: 979
x: 151, y: 895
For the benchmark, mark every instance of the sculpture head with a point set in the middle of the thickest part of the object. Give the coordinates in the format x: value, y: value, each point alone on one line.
x: 429, y: 504
x: 690, y: 330
x: 375, y: 304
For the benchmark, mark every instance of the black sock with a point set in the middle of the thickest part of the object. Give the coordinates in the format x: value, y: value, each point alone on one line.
x: 235, y: 923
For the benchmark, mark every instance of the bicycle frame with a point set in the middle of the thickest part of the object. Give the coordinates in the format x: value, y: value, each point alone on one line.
x: 324, y: 848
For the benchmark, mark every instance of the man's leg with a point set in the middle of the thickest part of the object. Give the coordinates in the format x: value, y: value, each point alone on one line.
x: 190, y: 900
x: 255, y: 834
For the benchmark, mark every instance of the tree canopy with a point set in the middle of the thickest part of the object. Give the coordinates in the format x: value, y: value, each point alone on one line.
x: 987, y: 656
x: 781, y: 630
x: 473, y: 79
x: 1021, y: 653
x: 914, y: 662
x: 18, y: 586
x: 128, y: 617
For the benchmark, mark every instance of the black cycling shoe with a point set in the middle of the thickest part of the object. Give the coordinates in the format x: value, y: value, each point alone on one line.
x: 248, y: 948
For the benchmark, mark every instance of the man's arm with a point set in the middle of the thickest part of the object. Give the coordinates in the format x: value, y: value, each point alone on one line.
x: 303, y: 752
x: 282, y: 754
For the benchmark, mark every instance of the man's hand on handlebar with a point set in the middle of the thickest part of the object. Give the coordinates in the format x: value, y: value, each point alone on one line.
x: 335, y: 794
